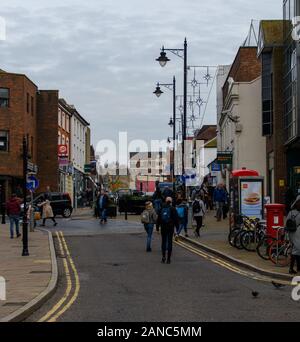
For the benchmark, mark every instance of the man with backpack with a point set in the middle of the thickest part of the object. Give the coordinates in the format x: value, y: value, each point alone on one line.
x: 293, y: 227
x: 149, y: 218
x: 198, y: 213
x: 220, y: 198
x: 167, y: 220
x: 182, y: 212
x: 157, y: 200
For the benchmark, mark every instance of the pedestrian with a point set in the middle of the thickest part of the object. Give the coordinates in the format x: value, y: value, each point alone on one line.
x: 183, y: 217
x: 13, y: 209
x: 198, y: 213
x: 102, y: 205
x: 220, y: 198
x: 226, y: 205
x: 168, y: 193
x: 157, y: 199
x: 47, y: 212
x: 168, y: 220
x: 149, y: 218
x: 293, y: 227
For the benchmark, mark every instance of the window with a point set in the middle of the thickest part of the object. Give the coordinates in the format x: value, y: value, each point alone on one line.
x: 4, y: 141
x: 67, y: 123
x: 63, y: 140
x: 27, y: 103
x: 63, y: 121
x: 4, y: 97
x: 59, y: 117
x: 59, y: 138
x: 32, y: 105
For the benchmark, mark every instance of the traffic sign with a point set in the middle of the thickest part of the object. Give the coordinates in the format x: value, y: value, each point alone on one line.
x: 32, y: 183
x: 32, y: 167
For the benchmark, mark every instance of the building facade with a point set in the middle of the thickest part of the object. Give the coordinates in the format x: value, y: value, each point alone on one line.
x: 18, y: 115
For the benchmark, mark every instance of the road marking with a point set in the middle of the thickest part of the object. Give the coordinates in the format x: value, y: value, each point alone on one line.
x: 56, y: 307
x: 77, y: 283
x: 229, y: 266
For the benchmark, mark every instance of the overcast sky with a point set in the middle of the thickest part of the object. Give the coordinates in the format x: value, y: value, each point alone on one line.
x: 101, y: 54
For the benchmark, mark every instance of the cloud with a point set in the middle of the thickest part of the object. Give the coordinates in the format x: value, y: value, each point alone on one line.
x: 101, y: 54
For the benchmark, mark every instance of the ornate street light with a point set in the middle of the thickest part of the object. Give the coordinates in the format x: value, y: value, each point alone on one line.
x: 163, y: 59
x: 158, y: 91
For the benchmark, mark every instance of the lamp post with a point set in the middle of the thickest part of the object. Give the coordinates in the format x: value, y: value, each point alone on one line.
x: 163, y: 60
x: 25, y: 221
x: 172, y: 122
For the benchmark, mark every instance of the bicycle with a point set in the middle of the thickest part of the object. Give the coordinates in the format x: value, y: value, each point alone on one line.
x: 280, y: 249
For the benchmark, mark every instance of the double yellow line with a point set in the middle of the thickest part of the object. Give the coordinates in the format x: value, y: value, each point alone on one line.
x: 227, y: 265
x: 68, y: 298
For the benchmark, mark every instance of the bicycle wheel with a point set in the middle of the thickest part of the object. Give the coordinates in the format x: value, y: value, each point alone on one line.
x: 248, y: 241
x: 232, y: 235
x: 237, y: 240
x: 280, y: 253
x: 263, y: 247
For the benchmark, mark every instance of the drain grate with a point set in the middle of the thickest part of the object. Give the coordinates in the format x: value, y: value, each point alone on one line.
x: 15, y: 304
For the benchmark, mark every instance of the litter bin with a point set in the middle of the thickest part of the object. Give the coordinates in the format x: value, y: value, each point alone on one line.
x: 275, y: 218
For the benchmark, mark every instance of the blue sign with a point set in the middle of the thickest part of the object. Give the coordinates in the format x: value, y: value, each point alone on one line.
x: 215, y: 167
x: 32, y: 183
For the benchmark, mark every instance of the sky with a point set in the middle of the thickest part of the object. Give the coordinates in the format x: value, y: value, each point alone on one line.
x: 101, y: 54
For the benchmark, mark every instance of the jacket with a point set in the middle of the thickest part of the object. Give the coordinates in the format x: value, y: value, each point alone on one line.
x: 105, y: 201
x: 152, y: 216
x: 202, y: 208
x: 47, y: 209
x: 174, y: 222
x: 295, y: 236
x: 13, y: 207
x: 186, y: 213
x: 220, y: 195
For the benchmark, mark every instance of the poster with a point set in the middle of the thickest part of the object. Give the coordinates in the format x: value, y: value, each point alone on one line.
x: 251, y: 193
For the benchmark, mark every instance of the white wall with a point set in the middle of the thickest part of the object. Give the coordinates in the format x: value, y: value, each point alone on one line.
x: 78, y: 131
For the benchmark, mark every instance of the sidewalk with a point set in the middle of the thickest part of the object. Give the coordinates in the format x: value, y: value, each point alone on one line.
x: 29, y: 280
x: 214, y: 239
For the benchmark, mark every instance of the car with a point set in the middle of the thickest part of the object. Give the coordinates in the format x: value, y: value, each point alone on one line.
x: 60, y: 202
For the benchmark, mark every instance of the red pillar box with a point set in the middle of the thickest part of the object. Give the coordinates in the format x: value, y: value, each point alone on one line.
x: 275, y: 218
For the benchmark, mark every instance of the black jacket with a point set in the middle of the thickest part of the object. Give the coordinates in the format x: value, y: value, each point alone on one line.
x: 174, y: 222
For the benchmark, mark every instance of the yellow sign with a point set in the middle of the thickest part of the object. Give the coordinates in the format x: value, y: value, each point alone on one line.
x: 281, y: 183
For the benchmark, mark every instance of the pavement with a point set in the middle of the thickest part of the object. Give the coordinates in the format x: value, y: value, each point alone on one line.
x: 214, y: 239
x: 30, y: 280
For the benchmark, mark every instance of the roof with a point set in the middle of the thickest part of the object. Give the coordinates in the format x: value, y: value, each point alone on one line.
x: 272, y: 31
x: 206, y: 133
x: 17, y: 74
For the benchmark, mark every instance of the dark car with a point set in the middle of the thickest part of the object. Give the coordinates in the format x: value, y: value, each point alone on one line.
x: 60, y: 202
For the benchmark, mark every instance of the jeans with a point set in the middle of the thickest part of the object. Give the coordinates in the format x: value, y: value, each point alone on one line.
x: 103, y: 214
x: 219, y: 206
x: 199, y: 221
x: 14, y: 220
x: 149, y: 229
x: 167, y: 242
x: 182, y: 225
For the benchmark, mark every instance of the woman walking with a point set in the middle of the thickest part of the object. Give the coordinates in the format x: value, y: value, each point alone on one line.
x: 47, y: 212
x: 149, y: 218
x: 198, y: 213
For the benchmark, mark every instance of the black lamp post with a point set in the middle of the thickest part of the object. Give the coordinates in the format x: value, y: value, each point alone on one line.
x: 172, y: 123
x: 163, y: 60
x: 25, y: 221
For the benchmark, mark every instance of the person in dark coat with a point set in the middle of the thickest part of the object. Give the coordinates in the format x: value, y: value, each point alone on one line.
x: 168, y: 220
x: 102, y: 205
x: 13, y: 209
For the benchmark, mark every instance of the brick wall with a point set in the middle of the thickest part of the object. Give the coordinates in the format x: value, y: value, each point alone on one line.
x: 47, y: 123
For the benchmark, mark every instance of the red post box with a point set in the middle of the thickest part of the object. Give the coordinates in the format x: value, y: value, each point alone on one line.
x: 275, y: 218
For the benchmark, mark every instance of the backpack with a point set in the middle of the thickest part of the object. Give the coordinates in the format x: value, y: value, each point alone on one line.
x: 196, y: 207
x: 145, y: 217
x: 291, y: 224
x: 180, y: 212
x: 166, y: 215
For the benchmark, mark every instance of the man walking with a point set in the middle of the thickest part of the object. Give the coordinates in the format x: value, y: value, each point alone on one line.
x: 13, y: 209
x: 168, y: 220
x: 220, y: 198
x: 102, y: 203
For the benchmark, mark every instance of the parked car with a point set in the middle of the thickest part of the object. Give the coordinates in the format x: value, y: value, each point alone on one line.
x: 60, y: 202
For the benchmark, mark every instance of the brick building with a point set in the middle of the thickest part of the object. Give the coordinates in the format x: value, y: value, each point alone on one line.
x: 270, y: 52
x: 18, y: 115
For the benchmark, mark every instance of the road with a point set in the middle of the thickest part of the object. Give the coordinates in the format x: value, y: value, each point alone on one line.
x: 112, y: 278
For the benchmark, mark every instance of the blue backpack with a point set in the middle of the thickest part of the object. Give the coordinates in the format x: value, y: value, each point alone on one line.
x: 180, y: 212
x: 166, y: 215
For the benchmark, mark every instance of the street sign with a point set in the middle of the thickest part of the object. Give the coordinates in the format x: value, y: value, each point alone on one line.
x: 87, y: 168
x: 32, y: 183
x: 32, y: 167
x: 63, y: 150
x: 224, y: 158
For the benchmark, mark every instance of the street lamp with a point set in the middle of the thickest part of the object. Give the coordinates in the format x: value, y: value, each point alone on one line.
x: 172, y: 123
x: 25, y: 221
x: 163, y: 59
